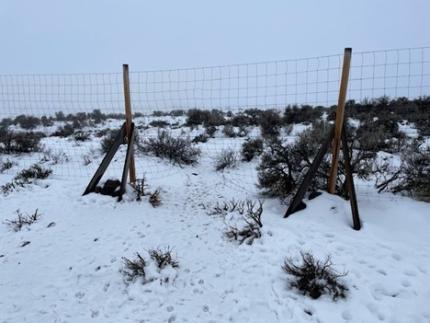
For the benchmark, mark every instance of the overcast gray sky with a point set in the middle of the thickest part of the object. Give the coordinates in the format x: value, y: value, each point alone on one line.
x: 99, y: 35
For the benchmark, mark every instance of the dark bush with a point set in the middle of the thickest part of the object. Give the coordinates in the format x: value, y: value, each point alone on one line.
x: 5, y: 165
x: 210, y: 131
x: 207, y: 118
x: 27, y: 122
x: 177, y: 113
x: 59, y: 116
x: 46, y: 122
x: 19, y: 142
x: 177, y: 150
x: 200, y: 138
x: 33, y: 172
x: 97, y: 116
x: 254, y: 116
x: 270, y: 123
x: 380, y: 135
x: 305, y: 114
x: 251, y: 148
x: 229, y: 131
x: 159, y: 123
x: 65, y: 131
x: 241, y: 120
x: 283, y: 166
x: 279, y: 170
x: 158, y: 113
x: 314, y: 278
x: 81, y: 136
x: 226, y: 159
x: 5, y: 123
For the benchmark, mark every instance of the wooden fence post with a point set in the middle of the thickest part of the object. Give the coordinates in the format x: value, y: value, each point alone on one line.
x: 128, y: 119
x: 340, y: 113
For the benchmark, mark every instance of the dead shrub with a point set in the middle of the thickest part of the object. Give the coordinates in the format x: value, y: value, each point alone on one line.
x: 23, y: 220
x: 134, y: 269
x: 163, y: 258
x: 226, y: 159
x: 155, y: 199
x: 314, y: 277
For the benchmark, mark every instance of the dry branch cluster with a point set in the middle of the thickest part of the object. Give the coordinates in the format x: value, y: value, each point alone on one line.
x: 315, y: 277
x: 23, y: 220
x: 250, y: 213
x: 138, y: 268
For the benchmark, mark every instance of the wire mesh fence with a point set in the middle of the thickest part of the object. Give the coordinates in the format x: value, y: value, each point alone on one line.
x: 70, y: 107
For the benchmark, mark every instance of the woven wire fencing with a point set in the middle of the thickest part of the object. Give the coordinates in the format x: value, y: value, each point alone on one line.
x: 94, y: 103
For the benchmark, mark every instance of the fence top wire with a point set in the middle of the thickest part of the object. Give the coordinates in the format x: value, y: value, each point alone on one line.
x: 267, y: 84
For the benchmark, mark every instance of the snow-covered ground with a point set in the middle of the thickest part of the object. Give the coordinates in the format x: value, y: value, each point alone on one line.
x: 70, y: 271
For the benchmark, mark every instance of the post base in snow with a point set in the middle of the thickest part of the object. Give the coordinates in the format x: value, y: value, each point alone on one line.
x: 297, y: 202
x: 120, y: 139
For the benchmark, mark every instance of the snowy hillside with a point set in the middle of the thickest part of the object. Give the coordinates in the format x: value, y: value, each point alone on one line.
x: 68, y: 265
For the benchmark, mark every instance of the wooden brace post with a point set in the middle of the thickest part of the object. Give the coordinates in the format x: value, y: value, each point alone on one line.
x: 128, y: 120
x: 340, y: 112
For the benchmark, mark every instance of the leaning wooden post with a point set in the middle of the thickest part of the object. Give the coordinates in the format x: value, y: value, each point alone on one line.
x: 128, y: 119
x: 340, y: 113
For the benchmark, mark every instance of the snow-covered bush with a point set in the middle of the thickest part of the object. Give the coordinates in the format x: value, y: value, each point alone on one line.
x: 161, y: 266
x: 250, y: 213
x: 247, y: 234
x: 226, y: 159
x: 134, y: 269
x: 179, y: 151
x: 315, y: 277
x: 163, y: 258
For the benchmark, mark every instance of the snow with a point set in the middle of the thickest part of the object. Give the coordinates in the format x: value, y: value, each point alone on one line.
x: 71, y: 271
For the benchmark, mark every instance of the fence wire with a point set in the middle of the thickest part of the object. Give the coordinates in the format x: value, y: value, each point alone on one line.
x: 94, y: 102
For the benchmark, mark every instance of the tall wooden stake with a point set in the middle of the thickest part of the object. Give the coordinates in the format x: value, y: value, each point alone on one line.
x: 340, y: 112
x: 128, y: 119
